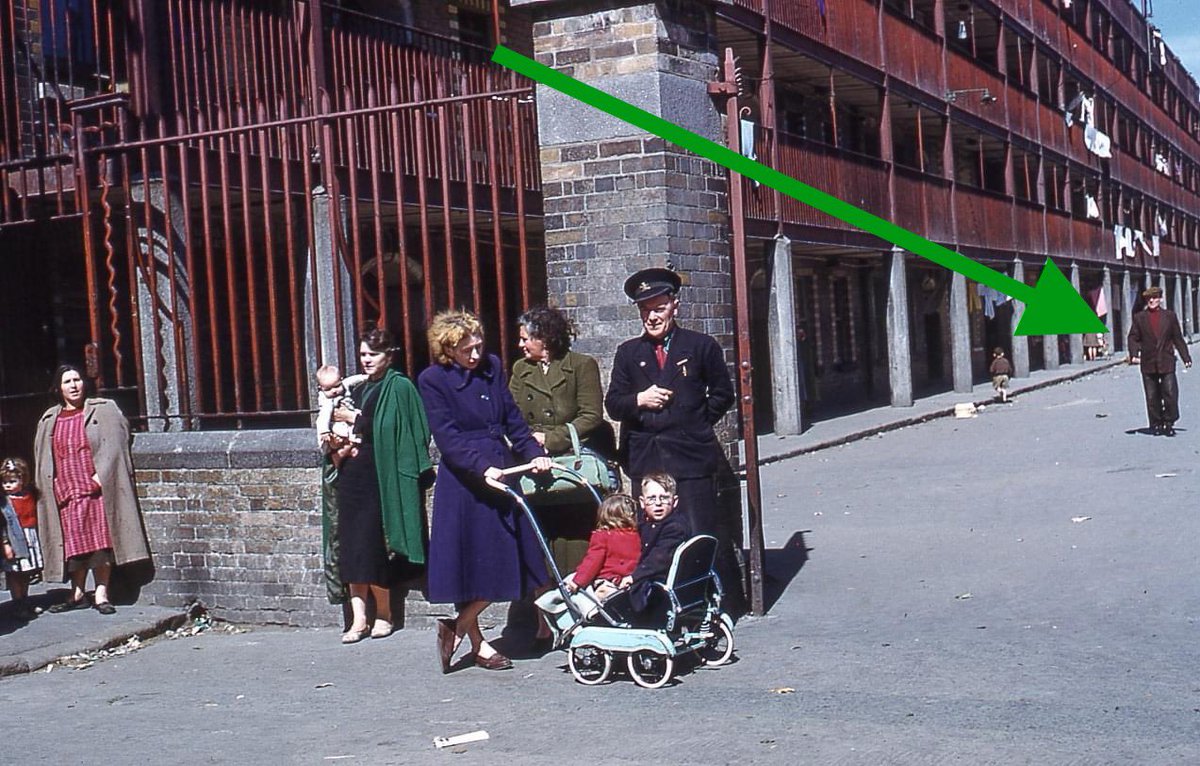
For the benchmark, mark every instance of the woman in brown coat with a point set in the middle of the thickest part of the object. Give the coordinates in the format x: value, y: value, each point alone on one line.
x: 88, y: 514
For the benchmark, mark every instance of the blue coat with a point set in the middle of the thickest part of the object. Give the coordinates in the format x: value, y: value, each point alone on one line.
x: 481, y: 547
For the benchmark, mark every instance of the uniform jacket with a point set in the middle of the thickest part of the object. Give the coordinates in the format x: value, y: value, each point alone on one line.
x: 1157, y: 352
x: 611, y: 555
x: 108, y: 435
x: 659, y: 540
x: 481, y: 546
x: 679, y: 439
x: 568, y: 392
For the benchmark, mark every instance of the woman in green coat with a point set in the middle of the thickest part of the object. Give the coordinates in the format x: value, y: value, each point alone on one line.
x: 554, y: 386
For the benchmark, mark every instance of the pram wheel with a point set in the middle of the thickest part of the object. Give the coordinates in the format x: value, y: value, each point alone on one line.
x: 718, y: 649
x: 589, y: 665
x: 650, y: 670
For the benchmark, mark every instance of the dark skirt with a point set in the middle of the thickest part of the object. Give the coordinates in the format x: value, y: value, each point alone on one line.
x: 362, y: 552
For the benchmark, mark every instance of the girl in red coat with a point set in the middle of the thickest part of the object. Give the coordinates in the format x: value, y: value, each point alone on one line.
x: 613, y: 549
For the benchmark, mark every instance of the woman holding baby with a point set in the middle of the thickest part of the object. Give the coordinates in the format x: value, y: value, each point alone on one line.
x: 374, y: 519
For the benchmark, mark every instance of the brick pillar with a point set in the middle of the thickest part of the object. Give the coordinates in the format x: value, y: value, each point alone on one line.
x: 618, y: 199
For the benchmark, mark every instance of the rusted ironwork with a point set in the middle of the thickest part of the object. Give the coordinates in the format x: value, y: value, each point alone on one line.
x: 199, y: 192
x: 727, y: 90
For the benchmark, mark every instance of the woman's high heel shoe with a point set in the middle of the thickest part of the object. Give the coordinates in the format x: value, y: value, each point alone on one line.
x: 446, y: 639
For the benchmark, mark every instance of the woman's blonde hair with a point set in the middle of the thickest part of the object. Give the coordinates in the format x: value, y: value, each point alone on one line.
x: 448, y: 329
x: 617, y: 512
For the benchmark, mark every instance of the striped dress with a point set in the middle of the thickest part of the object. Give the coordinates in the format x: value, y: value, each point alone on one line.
x: 80, y: 507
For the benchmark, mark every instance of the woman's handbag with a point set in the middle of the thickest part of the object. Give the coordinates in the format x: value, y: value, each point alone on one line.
x: 557, y: 488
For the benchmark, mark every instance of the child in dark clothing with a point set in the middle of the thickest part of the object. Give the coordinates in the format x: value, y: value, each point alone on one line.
x: 1000, y: 369
x: 662, y: 531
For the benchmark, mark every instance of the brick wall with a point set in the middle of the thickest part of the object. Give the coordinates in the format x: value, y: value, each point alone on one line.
x: 234, y: 520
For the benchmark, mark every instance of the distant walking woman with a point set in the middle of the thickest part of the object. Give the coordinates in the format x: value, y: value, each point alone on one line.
x: 88, y: 515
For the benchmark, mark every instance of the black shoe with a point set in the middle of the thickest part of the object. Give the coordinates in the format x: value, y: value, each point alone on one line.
x: 69, y: 606
x: 105, y: 608
x: 1168, y: 431
x: 1155, y: 429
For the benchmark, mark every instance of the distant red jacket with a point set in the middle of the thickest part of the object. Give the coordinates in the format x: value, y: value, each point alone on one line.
x: 611, y: 555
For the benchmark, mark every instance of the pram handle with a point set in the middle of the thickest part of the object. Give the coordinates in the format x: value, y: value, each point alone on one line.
x: 497, y: 484
x: 525, y: 468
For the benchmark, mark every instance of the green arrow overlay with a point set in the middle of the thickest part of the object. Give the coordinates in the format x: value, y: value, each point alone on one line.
x: 1052, y: 307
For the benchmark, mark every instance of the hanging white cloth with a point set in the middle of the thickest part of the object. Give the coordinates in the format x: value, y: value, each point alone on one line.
x: 1097, y: 142
x: 1139, y: 237
x: 1093, y: 208
x: 1087, y: 110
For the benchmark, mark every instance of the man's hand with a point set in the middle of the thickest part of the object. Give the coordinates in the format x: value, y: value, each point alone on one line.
x: 654, y: 398
x: 1135, y: 359
x: 1187, y: 365
x: 540, y: 438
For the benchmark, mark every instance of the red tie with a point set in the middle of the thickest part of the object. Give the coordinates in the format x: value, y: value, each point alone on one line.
x: 660, y: 353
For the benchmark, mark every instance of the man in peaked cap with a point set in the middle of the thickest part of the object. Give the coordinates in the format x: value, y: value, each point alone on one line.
x: 669, y: 388
x: 1153, y: 340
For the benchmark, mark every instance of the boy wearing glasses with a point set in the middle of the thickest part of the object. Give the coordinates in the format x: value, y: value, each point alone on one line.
x: 662, y: 531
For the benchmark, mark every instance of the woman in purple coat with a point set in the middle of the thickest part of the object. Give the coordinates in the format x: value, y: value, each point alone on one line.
x: 481, y: 547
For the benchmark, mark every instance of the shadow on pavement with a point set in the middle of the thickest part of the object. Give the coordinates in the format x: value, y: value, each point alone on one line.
x: 782, y: 565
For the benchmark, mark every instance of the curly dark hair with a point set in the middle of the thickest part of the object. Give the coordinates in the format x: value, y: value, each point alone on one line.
x: 550, y: 326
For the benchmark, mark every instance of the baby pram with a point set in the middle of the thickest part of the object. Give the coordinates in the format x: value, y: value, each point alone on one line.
x: 687, y: 618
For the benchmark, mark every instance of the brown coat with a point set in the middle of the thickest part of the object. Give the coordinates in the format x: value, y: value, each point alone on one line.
x: 108, y: 435
x: 1157, y: 352
x: 569, y: 392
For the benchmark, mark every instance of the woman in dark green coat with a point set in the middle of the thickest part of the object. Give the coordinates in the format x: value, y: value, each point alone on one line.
x: 554, y: 386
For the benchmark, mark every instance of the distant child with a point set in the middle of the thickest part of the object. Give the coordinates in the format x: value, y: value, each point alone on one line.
x: 1000, y: 369
x: 23, y: 551
x: 334, y: 393
x: 613, y: 549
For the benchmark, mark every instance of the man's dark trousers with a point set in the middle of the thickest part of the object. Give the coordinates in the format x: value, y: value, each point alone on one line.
x: 1162, y: 398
